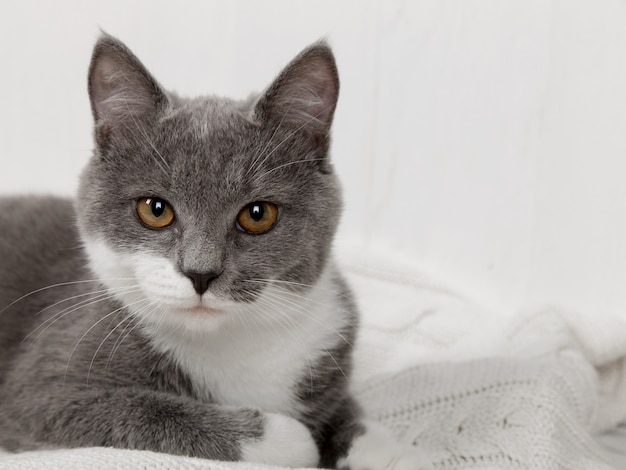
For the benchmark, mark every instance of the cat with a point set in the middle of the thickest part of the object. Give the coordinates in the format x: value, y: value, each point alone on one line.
x: 186, y: 301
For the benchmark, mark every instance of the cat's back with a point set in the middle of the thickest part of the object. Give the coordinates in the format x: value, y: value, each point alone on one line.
x: 39, y: 247
x: 37, y: 233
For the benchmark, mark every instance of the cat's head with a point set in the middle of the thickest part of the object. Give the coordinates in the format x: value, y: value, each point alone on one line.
x: 191, y: 208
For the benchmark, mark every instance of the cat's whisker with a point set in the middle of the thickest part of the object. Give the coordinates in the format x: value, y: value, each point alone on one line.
x: 280, y: 144
x: 297, y: 284
x: 95, y: 325
x: 93, y: 358
x: 62, y: 313
x: 255, y: 165
x: 247, y: 324
x: 143, y: 132
x: 292, y: 330
x: 272, y: 304
x: 334, y: 307
x: 292, y: 134
x: 79, y: 247
x: 119, y: 339
x: 299, y: 308
x: 102, y: 295
x: 62, y: 284
x: 135, y: 317
x: 68, y: 310
x: 255, y: 160
x: 164, y: 312
x: 139, y: 141
x: 272, y: 310
x: 116, y: 290
x: 270, y: 322
x: 306, y: 160
x: 296, y: 295
x: 241, y: 316
x: 298, y: 299
x: 126, y: 317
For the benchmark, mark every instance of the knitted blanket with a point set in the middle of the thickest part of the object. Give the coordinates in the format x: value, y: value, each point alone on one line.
x: 471, y: 388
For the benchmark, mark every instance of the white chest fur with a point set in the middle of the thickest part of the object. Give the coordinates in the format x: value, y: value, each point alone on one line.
x: 258, y: 357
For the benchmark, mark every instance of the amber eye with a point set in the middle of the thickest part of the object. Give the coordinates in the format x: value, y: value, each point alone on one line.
x: 257, y: 217
x: 155, y: 212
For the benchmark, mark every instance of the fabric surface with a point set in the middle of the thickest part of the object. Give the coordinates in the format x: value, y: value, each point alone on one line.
x: 469, y: 387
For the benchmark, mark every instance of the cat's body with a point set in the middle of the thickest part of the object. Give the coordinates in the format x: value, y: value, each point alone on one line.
x: 195, y: 309
x: 252, y: 368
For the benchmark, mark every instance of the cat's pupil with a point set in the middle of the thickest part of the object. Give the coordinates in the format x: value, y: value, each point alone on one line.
x: 158, y: 208
x: 256, y: 212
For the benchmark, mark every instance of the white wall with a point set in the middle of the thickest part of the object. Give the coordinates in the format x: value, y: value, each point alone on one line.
x: 483, y: 140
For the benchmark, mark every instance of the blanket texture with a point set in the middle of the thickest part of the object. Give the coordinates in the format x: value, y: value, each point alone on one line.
x: 471, y: 388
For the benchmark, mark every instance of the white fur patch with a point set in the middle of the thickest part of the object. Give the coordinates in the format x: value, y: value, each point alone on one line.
x: 378, y: 450
x: 153, y: 289
x: 258, y: 356
x: 249, y: 355
x: 286, y: 442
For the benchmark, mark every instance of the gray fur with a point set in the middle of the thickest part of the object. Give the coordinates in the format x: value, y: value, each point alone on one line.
x: 72, y: 376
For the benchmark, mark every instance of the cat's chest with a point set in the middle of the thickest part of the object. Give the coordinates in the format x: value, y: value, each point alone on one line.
x: 260, y: 367
x: 265, y: 377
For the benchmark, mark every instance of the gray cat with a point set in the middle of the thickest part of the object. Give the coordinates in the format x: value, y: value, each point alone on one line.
x: 186, y: 301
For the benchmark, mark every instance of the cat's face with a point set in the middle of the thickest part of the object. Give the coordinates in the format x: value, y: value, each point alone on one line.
x: 191, y: 210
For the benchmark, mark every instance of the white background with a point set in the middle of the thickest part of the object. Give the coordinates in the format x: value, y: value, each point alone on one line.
x: 482, y: 141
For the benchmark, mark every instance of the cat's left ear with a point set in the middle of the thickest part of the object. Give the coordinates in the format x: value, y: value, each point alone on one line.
x: 122, y: 92
x: 304, y: 95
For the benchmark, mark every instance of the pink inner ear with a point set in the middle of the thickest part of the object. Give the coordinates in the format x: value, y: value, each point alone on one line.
x: 103, y: 85
x: 118, y: 91
x: 307, y: 94
x: 324, y: 89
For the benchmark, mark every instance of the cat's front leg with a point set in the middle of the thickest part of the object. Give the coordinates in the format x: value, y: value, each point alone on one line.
x: 285, y: 442
x: 142, y: 419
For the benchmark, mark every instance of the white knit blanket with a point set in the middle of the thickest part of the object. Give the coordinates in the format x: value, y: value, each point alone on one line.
x: 471, y: 388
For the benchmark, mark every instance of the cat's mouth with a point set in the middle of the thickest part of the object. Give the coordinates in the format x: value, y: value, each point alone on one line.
x: 202, y: 310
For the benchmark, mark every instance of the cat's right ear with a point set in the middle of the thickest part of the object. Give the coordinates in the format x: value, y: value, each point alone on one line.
x: 122, y: 92
x: 304, y: 95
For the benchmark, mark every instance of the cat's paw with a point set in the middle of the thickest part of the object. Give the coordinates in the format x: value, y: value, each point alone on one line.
x: 376, y: 449
x: 285, y: 442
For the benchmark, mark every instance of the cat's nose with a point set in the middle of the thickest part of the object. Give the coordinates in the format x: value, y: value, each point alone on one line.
x: 201, y: 281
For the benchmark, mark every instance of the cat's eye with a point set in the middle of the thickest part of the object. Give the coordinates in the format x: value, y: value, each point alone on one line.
x: 257, y: 217
x: 155, y: 212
